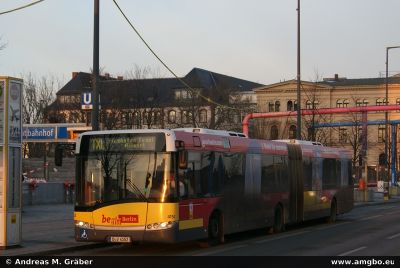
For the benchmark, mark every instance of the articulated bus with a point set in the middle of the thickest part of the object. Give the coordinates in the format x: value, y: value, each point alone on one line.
x: 168, y: 186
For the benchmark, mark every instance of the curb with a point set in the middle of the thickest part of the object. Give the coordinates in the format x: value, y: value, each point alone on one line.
x: 64, y: 249
x: 375, y: 203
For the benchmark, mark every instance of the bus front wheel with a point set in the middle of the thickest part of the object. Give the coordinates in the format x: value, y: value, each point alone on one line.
x: 215, y: 229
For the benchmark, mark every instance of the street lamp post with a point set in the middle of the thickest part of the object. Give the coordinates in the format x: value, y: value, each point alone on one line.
x: 386, y: 113
x: 95, y: 84
x: 298, y: 132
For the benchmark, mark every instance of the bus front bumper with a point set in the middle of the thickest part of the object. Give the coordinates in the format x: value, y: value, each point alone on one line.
x: 126, y: 235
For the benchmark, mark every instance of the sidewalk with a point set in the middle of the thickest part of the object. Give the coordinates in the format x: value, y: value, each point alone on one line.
x: 377, y: 199
x: 48, y: 229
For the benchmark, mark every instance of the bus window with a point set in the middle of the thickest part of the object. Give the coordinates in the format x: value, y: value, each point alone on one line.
x: 281, y: 172
x: 189, y: 178
x: 218, y: 173
x: 338, y: 172
x: 307, y: 173
x: 329, y: 176
x: 316, y: 174
x: 350, y: 173
x: 268, y: 182
x: 233, y: 179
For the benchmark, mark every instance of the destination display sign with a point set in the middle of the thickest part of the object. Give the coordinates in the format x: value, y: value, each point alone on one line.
x: 125, y: 142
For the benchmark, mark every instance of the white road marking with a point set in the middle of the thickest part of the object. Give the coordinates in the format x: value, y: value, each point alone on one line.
x: 352, y: 251
x: 220, y: 250
x: 393, y: 236
x: 332, y: 226
x: 390, y: 207
x: 372, y: 217
x: 279, y: 237
x: 392, y: 213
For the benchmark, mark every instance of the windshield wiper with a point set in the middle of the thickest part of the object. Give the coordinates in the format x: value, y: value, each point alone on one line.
x: 136, y: 189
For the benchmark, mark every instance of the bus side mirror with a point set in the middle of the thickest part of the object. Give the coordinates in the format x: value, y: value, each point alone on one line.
x: 182, y: 159
x: 58, y: 156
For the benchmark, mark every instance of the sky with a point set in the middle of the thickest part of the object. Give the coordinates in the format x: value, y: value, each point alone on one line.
x: 254, y: 40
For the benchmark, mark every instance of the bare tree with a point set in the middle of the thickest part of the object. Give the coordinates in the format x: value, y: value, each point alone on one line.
x: 313, y: 99
x: 38, y: 94
x: 138, y: 72
x: 136, y: 108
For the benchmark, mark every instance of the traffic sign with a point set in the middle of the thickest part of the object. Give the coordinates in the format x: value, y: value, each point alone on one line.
x: 86, y: 101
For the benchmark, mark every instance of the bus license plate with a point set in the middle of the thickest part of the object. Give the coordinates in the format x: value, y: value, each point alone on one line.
x: 120, y: 239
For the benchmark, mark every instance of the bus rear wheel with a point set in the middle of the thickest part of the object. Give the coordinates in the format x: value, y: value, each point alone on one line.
x: 333, y: 212
x: 278, y: 220
x: 215, y: 229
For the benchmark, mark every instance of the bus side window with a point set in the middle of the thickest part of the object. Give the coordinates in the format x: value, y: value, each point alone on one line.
x: 218, y: 174
x: 338, y: 172
x: 268, y: 183
x: 350, y: 173
x: 307, y: 173
x: 233, y: 178
x: 280, y: 167
x: 329, y: 176
x: 189, y: 178
x: 204, y: 172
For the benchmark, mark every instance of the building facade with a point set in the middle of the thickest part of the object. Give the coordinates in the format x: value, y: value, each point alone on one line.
x: 331, y: 93
x: 199, y: 99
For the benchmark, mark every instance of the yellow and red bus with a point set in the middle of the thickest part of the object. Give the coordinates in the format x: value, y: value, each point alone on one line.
x: 175, y: 185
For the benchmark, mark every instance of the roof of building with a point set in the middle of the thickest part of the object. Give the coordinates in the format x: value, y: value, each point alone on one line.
x: 334, y: 82
x: 196, y: 78
x: 360, y: 81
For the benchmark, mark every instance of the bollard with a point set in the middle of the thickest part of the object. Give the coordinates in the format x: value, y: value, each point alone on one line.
x: 386, y: 191
x: 72, y: 192
x: 67, y: 185
x: 385, y: 195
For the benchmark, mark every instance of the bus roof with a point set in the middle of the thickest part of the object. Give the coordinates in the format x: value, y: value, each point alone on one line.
x: 208, y: 139
x: 303, y: 142
x: 212, y: 131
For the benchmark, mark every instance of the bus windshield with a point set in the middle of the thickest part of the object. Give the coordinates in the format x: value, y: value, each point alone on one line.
x: 124, y: 175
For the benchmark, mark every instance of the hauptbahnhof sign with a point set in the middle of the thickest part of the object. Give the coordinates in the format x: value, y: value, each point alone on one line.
x: 51, y: 132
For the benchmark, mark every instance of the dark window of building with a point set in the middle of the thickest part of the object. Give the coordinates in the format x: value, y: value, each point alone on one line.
x: 271, y: 107
x: 290, y: 106
x: 274, y: 132
x: 381, y: 133
x: 277, y: 106
x: 292, y: 132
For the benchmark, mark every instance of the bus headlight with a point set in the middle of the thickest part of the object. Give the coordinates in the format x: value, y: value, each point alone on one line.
x: 160, y: 225
x: 84, y: 225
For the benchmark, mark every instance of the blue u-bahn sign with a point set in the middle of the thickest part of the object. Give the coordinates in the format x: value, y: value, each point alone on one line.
x: 86, y: 101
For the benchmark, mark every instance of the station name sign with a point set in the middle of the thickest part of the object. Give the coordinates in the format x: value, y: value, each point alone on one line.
x: 62, y: 132
x: 44, y: 133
